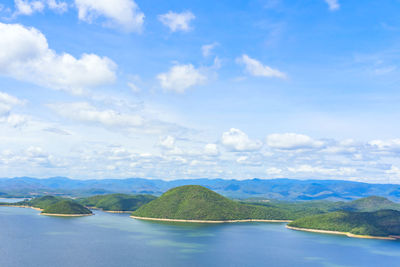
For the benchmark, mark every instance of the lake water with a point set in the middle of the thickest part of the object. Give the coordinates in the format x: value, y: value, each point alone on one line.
x: 28, y: 239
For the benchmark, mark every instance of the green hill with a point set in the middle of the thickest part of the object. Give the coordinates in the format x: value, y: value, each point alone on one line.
x: 194, y: 202
x: 66, y: 207
x: 43, y: 202
x: 377, y: 223
x: 296, y: 210
x: 372, y: 203
x: 117, y: 202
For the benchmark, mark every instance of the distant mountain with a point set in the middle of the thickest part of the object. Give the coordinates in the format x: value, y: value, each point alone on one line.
x: 281, y: 189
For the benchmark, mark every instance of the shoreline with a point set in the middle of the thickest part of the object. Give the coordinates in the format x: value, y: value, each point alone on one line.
x: 341, y: 233
x: 207, y: 221
x: 21, y: 206
x: 47, y: 214
x: 65, y: 215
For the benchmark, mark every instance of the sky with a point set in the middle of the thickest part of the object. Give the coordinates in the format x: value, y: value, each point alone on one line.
x: 303, y: 89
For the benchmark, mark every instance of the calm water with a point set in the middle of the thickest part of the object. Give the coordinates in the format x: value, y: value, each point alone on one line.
x: 27, y: 239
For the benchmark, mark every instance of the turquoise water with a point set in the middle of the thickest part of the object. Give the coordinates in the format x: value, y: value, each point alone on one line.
x: 27, y: 239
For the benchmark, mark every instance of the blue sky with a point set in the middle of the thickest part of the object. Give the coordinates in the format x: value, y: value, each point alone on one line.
x: 227, y: 89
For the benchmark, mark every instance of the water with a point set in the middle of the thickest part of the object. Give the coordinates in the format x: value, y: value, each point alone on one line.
x: 27, y: 239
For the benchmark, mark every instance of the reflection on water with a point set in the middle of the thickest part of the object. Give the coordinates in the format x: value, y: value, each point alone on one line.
x: 105, y: 239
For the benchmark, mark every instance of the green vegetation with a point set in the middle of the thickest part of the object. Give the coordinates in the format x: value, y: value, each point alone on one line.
x: 296, y: 210
x: 194, y: 202
x: 377, y: 223
x: 117, y: 202
x: 43, y: 202
x: 66, y: 207
x: 39, y: 202
x: 54, y: 205
x: 372, y: 203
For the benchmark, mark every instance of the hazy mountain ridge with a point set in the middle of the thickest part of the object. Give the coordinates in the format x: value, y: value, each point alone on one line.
x: 282, y: 189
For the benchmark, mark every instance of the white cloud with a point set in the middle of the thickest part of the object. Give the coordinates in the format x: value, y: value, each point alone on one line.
x: 177, y: 21
x: 25, y: 55
x: 7, y: 102
x: 84, y: 112
x: 256, y: 68
x: 26, y: 7
x: 326, y: 171
x: 168, y: 142
x: 181, y: 77
x: 395, y: 171
x: 207, y: 49
x: 292, y: 141
x: 333, y: 4
x: 120, y: 14
x: 211, y: 150
x: 273, y: 171
x: 59, y: 6
x: 392, y: 145
x: 133, y: 87
x: 237, y: 140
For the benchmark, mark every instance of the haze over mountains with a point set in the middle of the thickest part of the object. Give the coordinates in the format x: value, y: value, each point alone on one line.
x: 281, y: 189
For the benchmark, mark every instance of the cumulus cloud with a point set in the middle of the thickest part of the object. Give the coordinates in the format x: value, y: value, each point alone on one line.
x: 25, y: 55
x: 168, y: 142
x: 236, y: 140
x: 120, y: 14
x: 321, y: 170
x: 211, y: 150
x: 33, y: 155
x: 292, y: 141
x: 181, y: 77
x: 177, y: 21
x: 333, y: 4
x: 27, y: 7
x: 256, y: 68
x: 273, y: 171
x: 86, y: 113
x: 394, y: 171
x: 392, y: 145
x: 7, y: 103
x: 207, y: 49
x: 59, y: 6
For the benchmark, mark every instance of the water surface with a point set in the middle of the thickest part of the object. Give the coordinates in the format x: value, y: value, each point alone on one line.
x: 28, y: 239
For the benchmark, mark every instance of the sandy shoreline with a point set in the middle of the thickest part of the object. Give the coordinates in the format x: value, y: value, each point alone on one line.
x: 341, y: 233
x: 47, y: 214
x: 66, y: 215
x: 207, y: 221
x: 21, y: 206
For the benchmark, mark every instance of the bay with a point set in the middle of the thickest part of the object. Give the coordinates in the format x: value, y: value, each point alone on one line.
x: 29, y: 239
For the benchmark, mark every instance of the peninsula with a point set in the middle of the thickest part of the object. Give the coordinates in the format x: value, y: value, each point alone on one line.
x: 382, y: 224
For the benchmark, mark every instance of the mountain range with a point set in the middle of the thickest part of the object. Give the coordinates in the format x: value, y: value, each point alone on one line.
x: 279, y: 189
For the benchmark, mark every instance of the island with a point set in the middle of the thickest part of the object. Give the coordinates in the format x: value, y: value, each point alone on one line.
x: 116, y: 203
x: 54, y: 206
x: 381, y: 224
x: 195, y: 203
x: 66, y: 208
